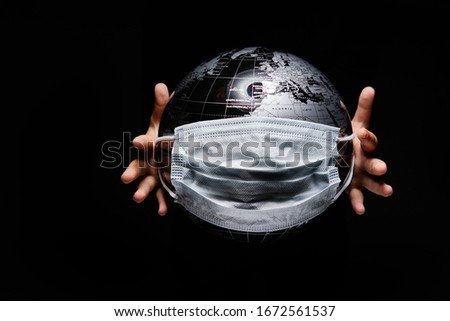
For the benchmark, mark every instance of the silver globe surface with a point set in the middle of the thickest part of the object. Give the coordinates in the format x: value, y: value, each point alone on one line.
x: 257, y: 81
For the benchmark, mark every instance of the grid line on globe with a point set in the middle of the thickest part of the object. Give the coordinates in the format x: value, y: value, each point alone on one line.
x: 255, y: 81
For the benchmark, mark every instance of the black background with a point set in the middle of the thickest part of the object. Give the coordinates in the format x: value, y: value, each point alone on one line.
x: 78, y: 76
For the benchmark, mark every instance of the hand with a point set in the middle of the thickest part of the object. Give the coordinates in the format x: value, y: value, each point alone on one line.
x: 367, y: 169
x: 366, y: 172
x: 143, y: 168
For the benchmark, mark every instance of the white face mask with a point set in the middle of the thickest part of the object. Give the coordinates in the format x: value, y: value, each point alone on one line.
x: 255, y: 174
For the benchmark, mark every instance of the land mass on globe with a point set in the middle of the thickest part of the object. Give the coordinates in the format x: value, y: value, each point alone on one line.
x: 255, y: 81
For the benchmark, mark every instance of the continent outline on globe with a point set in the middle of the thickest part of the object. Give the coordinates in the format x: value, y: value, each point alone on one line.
x: 255, y: 81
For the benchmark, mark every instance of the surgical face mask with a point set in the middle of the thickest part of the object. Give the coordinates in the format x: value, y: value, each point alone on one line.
x: 255, y: 174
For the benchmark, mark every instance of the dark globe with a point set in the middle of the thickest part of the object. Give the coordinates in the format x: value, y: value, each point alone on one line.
x: 257, y: 81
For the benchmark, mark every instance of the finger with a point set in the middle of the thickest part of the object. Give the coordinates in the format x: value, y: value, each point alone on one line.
x: 375, y: 166
x: 364, y: 109
x: 136, y: 169
x: 162, y: 201
x: 144, y: 188
x: 357, y: 200
x: 368, y: 140
x: 377, y: 186
x: 142, y: 142
x: 162, y: 98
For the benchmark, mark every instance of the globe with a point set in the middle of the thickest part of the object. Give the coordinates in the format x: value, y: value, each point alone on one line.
x: 256, y: 81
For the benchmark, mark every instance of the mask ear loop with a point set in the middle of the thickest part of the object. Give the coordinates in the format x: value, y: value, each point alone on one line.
x: 169, y: 189
x: 349, y: 177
